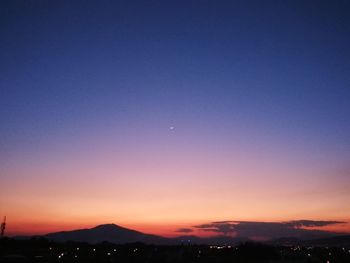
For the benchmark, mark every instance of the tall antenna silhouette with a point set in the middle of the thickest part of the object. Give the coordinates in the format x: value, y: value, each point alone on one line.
x: 3, y: 226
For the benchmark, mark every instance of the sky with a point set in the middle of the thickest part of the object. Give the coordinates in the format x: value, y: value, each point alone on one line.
x: 169, y: 115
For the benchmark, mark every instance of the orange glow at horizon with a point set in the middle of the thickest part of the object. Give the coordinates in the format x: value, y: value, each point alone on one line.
x: 161, y: 229
x: 168, y: 186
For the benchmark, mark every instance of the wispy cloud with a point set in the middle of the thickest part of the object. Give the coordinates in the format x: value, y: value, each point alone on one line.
x: 269, y: 230
x: 312, y: 223
x: 184, y: 230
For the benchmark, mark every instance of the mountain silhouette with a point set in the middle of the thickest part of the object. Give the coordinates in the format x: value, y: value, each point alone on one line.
x: 120, y: 235
x: 107, y: 232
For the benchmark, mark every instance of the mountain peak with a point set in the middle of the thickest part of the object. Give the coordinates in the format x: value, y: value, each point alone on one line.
x: 106, y: 232
x: 111, y: 225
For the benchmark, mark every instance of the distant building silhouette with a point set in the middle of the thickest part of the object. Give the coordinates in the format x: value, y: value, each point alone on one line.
x: 3, y: 226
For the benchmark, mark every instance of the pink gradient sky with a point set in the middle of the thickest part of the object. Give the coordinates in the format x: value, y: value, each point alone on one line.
x: 158, y: 188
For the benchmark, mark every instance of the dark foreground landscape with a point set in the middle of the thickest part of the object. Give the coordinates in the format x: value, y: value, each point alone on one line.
x: 43, y: 250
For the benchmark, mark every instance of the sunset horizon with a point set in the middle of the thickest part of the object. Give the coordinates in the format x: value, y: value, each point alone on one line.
x: 330, y: 228
x: 176, y: 118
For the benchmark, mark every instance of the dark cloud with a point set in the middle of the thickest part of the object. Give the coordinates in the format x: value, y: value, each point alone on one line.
x: 311, y: 223
x: 184, y: 230
x: 224, y: 227
x: 269, y: 230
